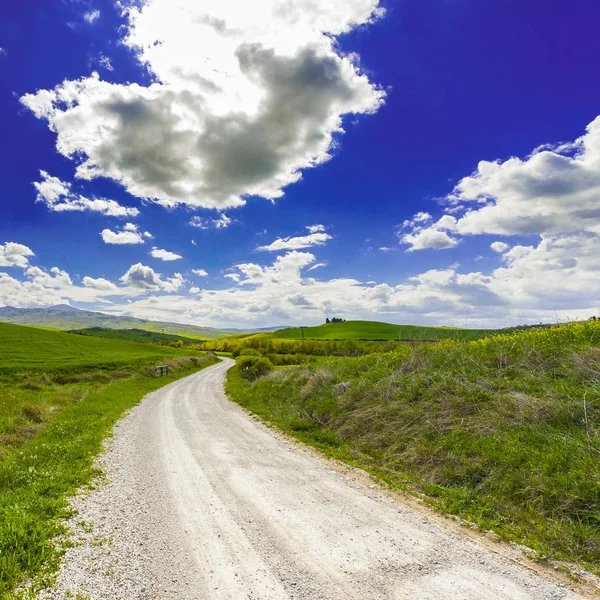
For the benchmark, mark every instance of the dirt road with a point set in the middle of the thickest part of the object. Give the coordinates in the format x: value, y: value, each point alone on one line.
x: 204, y: 503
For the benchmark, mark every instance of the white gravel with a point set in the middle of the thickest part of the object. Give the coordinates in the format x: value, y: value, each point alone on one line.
x: 202, y: 502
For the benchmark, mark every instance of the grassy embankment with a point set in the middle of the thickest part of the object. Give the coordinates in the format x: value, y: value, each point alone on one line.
x: 503, y: 431
x: 60, y: 395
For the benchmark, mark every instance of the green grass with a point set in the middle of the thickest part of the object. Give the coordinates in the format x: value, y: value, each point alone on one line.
x: 134, y: 335
x: 373, y: 330
x: 60, y: 395
x: 32, y: 349
x: 504, y: 432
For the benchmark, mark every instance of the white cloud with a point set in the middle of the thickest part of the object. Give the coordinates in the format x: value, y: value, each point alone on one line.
x: 120, y: 237
x: 315, y: 228
x: 100, y: 284
x: 245, y: 97
x: 499, y: 247
x: 3, y: 52
x: 58, y: 197
x: 129, y: 234
x: 317, y: 266
x: 222, y: 222
x: 384, y: 249
x: 56, y: 278
x: 296, y: 243
x: 528, y: 287
x: 200, y: 272
x: 105, y: 62
x: 554, y: 191
x: 172, y: 284
x: 164, y: 254
x: 91, y: 16
x: 144, y: 278
x: 15, y: 255
x: 420, y: 239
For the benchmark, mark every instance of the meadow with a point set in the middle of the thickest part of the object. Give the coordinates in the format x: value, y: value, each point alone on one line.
x: 503, y: 432
x: 377, y: 331
x: 135, y: 335
x: 60, y: 395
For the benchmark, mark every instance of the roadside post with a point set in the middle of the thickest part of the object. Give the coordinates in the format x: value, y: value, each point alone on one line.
x: 161, y: 370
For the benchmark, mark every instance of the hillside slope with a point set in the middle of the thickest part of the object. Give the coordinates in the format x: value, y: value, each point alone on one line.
x: 67, y: 317
x: 29, y: 349
x: 374, y: 330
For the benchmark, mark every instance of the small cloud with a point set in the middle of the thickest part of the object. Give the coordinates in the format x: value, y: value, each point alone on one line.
x: 296, y: 243
x: 141, y: 277
x: 105, y: 62
x: 384, y: 249
x: 499, y: 247
x: 58, y: 196
x: 92, y: 16
x: 100, y: 284
x: 200, y: 272
x: 3, y: 52
x: 315, y: 228
x: 193, y: 242
x: 221, y: 223
x: 233, y: 276
x: 129, y: 234
x: 165, y: 255
x: 321, y: 264
x: 195, y: 290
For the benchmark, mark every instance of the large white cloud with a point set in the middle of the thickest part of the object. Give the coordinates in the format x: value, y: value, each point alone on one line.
x: 58, y: 196
x: 554, y: 191
x: 245, y: 96
x: 15, y: 255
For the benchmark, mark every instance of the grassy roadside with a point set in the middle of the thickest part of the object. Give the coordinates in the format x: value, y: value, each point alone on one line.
x: 52, y: 425
x: 503, y: 432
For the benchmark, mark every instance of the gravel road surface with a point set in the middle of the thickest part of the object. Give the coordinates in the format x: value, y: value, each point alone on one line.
x: 202, y: 502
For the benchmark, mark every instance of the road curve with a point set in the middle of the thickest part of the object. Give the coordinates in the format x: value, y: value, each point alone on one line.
x: 204, y: 503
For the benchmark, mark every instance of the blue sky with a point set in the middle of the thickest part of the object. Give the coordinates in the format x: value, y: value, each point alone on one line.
x: 431, y: 161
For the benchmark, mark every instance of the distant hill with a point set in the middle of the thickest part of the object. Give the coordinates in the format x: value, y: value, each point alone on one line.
x: 66, y: 317
x: 375, y: 330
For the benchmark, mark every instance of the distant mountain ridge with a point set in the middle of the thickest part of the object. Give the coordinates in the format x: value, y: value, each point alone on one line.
x: 63, y: 316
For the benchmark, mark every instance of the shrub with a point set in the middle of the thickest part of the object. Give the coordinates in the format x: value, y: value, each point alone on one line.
x: 252, y: 367
x: 250, y: 352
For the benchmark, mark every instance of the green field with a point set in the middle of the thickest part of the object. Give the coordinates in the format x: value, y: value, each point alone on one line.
x: 374, y: 330
x: 502, y: 431
x: 32, y: 349
x: 134, y: 335
x: 60, y: 395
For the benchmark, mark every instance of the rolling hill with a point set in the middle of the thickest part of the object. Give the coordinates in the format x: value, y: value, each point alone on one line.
x: 30, y: 349
x: 133, y: 335
x: 374, y: 330
x: 66, y: 317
